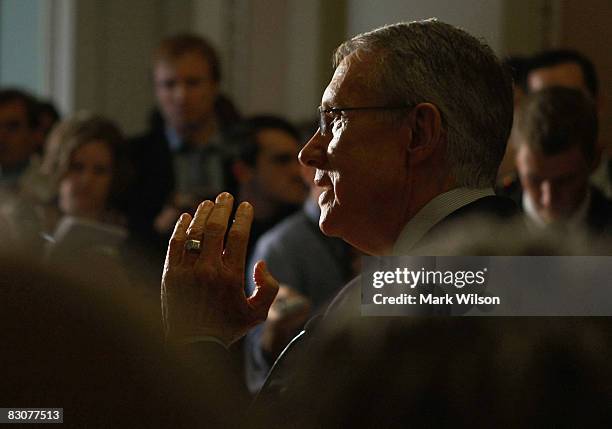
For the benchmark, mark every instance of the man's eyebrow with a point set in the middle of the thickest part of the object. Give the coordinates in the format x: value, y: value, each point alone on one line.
x: 327, y: 104
x: 333, y: 99
x: 335, y: 103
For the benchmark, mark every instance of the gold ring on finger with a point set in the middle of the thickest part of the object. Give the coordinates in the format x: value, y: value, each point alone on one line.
x: 193, y: 245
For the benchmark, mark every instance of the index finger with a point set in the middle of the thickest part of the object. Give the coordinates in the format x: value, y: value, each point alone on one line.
x: 177, y: 241
x: 238, y: 238
x: 215, y: 228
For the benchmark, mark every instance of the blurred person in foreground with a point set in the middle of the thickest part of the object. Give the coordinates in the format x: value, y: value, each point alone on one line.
x: 407, y: 145
x: 180, y: 159
x: 94, y: 351
x: 556, y: 152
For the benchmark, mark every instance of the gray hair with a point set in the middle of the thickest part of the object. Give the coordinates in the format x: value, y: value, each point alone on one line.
x: 430, y: 61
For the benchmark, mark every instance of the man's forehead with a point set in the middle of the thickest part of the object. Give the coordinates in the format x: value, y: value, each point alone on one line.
x: 568, y: 74
x: 349, y: 82
x: 570, y: 160
x: 13, y: 109
x: 276, y: 139
x: 189, y: 62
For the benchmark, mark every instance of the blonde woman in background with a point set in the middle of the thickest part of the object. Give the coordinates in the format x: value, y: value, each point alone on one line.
x: 82, y: 173
x: 76, y: 193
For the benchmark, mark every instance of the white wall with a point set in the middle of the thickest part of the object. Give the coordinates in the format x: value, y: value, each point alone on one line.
x: 302, y: 92
x: 269, y: 49
x: 482, y: 18
x: 22, y: 45
x: 114, y: 43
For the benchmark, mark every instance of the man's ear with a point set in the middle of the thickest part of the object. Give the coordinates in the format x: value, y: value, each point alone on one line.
x: 426, y: 123
x: 242, y: 172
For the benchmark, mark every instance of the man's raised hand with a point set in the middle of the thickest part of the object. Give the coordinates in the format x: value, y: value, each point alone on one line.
x: 202, y: 291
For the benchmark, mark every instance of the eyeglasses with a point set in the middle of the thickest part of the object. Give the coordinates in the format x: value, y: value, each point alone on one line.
x: 326, y: 116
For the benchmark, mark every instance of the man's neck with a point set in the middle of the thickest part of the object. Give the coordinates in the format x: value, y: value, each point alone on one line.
x: 199, y: 134
x: 437, y: 209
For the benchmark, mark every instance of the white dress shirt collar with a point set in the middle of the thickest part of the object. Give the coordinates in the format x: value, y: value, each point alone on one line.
x: 433, y: 212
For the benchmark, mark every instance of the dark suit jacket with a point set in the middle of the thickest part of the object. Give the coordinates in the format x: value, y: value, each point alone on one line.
x: 599, y: 215
x: 154, y: 175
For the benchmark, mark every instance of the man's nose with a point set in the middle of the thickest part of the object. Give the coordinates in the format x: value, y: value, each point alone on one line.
x: 86, y: 177
x: 314, y: 152
x: 180, y: 91
x: 546, y: 194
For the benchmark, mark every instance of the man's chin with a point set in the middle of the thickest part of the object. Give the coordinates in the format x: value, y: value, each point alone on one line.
x: 327, y: 232
x: 326, y: 226
x: 182, y: 124
x: 328, y: 220
x: 553, y: 219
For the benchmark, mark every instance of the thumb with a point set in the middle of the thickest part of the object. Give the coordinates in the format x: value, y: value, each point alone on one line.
x: 266, y: 288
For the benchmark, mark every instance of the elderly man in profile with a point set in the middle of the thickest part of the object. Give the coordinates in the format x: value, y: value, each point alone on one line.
x: 413, y: 126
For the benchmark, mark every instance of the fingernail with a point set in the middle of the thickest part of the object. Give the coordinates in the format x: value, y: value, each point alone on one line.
x: 246, y: 206
x: 180, y: 221
x: 206, y: 204
x: 258, y: 272
x: 224, y: 196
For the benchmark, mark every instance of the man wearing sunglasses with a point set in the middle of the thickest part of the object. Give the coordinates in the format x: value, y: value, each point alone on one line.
x: 413, y: 126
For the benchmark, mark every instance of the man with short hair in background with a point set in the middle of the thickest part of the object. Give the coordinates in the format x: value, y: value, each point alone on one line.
x: 556, y: 152
x: 180, y: 160
x: 562, y: 67
x: 18, y: 134
x: 572, y: 69
x: 266, y: 170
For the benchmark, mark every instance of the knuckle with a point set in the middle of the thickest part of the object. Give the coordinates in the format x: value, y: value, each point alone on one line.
x: 194, y: 231
x: 241, y: 218
x: 176, y: 241
x: 215, y: 229
x: 236, y: 234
